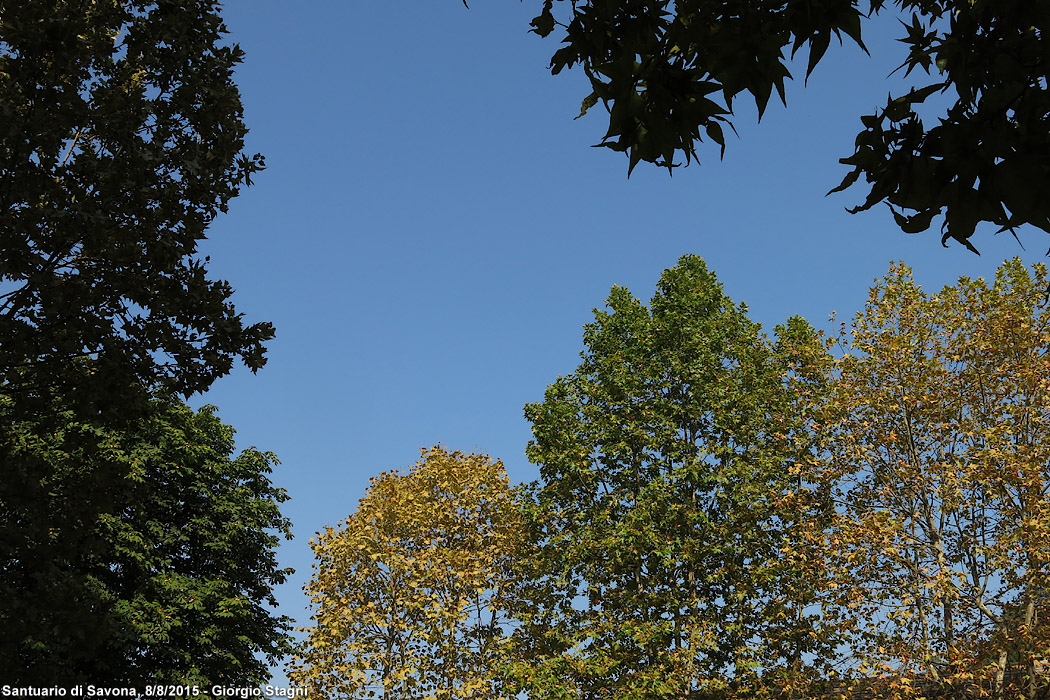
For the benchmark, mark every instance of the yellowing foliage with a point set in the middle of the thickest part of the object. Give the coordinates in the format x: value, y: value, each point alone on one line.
x: 722, y: 516
x: 409, y: 591
x: 939, y: 463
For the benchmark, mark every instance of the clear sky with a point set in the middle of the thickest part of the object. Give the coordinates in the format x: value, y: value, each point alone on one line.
x: 433, y: 230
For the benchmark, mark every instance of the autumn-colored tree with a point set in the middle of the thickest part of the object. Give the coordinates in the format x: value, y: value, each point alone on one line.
x: 410, y: 592
x: 665, y: 563
x: 939, y: 458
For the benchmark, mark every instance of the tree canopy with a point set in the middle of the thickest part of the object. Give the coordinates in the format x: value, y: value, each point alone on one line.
x: 937, y: 459
x: 133, y: 546
x: 411, y: 592
x: 668, y: 73
x: 121, y: 138
x: 721, y: 515
x: 140, y: 555
x: 665, y: 512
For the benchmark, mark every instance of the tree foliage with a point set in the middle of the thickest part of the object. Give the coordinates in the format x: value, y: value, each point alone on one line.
x: 411, y: 591
x: 669, y: 73
x: 135, y: 556
x: 938, y: 458
x: 133, y: 546
x: 721, y: 515
x: 121, y: 138
x: 666, y: 564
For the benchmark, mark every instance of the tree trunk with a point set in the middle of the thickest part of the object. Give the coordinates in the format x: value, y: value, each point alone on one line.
x: 1000, y: 676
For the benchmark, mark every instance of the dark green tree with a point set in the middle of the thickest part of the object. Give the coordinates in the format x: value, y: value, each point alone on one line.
x: 131, y: 545
x: 666, y: 562
x: 121, y: 138
x: 143, y: 555
x: 668, y: 72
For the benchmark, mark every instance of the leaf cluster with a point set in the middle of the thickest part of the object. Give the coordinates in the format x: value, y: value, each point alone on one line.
x: 134, y: 547
x: 665, y: 520
x: 937, y: 450
x: 411, y: 592
x: 724, y: 515
x: 135, y: 556
x: 668, y: 73
x: 121, y: 138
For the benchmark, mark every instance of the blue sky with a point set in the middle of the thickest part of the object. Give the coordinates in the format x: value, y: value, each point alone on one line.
x: 434, y: 229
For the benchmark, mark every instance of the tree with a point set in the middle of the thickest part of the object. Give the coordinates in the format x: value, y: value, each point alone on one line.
x: 121, y: 138
x: 669, y: 72
x: 666, y: 564
x: 138, y: 556
x: 411, y: 592
x: 133, y: 546
x: 939, y: 457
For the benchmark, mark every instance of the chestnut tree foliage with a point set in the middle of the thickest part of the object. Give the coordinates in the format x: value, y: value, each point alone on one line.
x: 138, y: 556
x: 669, y: 73
x: 121, y: 138
x: 411, y: 592
x: 133, y: 546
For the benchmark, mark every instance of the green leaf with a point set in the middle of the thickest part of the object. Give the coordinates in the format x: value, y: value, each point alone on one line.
x: 118, y: 248
x: 851, y: 177
x: 543, y: 24
x: 818, y: 44
x: 587, y: 103
x: 153, y: 549
x: 714, y: 130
